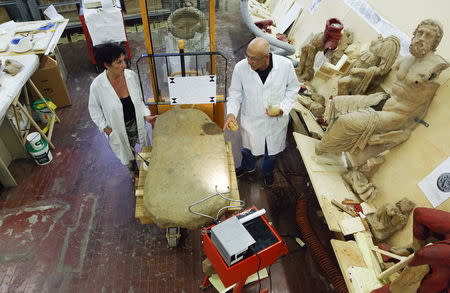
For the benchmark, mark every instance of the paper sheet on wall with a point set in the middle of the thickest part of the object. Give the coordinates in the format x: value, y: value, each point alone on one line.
x: 107, y: 4
x: 382, y: 26
x: 52, y: 14
x: 106, y: 26
x: 289, y: 18
x: 312, y: 8
x: 436, y: 185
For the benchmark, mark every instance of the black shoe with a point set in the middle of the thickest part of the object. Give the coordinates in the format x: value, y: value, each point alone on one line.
x: 241, y: 172
x: 268, y: 180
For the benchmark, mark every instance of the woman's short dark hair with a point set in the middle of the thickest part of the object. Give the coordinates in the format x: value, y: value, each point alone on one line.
x: 108, y: 53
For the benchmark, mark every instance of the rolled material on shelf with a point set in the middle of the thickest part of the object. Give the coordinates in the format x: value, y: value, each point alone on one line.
x: 282, y: 48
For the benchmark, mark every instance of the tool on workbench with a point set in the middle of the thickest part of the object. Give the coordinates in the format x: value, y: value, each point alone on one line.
x: 344, y: 208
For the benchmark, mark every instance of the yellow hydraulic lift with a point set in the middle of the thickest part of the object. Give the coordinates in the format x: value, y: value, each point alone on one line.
x: 158, y: 103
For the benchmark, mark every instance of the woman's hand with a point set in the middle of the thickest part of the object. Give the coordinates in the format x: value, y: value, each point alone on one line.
x: 107, y: 130
x: 151, y: 119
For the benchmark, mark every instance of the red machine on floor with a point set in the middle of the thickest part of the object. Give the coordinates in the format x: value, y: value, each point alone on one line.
x: 266, y: 251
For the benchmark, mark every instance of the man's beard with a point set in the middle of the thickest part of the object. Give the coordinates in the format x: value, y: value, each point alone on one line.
x: 419, y: 49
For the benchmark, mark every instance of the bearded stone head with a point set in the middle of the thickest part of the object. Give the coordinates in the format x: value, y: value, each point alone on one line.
x: 426, y: 38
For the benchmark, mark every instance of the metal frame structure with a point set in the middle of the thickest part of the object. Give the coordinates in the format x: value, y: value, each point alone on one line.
x: 151, y: 59
x: 21, y: 6
x: 218, y: 108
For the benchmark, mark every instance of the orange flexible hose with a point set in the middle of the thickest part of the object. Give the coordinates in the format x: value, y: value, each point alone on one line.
x: 318, y: 251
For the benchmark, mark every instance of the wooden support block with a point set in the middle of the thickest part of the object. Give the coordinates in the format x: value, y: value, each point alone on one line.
x: 347, y: 255
x: 365, y: 244
x: 390, y: 254
x: 363, y: 279
x: 140, y: 211
x: 312, y: 127
x: 351, y: 226
x: 395, y: 268
x: 297, y: 123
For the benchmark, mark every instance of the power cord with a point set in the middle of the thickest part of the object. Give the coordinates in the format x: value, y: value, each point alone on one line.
x: 136, y: 153
x: 259, y: 265
x: 144, y: 160
x: 270, y: 278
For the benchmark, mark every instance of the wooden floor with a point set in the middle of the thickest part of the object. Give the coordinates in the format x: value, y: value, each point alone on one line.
x: 70, y: 227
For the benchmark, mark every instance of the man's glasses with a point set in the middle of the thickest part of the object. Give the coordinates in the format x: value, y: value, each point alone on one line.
x: 253, y: 58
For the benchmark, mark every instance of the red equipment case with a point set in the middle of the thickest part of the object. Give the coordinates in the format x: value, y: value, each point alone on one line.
x: 240, y: 271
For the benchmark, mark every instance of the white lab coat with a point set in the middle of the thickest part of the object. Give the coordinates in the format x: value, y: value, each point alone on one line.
x: 106, y: 109
x: 248, y: 94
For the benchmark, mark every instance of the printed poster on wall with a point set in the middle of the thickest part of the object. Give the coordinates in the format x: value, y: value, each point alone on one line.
x: 436, y: 185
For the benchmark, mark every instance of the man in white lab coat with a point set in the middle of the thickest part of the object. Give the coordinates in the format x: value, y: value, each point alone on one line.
x: 264, y: 87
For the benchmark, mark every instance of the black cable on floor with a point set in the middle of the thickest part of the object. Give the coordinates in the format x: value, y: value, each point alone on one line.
x: 257, y: 271
x: 136, y: 153
x: 146, y: 162
x: 270, y: 278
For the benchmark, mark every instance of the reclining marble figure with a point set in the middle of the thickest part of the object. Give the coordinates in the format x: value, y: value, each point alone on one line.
x: 370, y: 67
x: 353, y: 124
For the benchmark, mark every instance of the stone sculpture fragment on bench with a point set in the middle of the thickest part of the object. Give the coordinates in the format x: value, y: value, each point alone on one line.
x: 355, y: 127
x: 332, y: 42
x: 188, y: 162
x: 370, y: 67
x: 390, y: 218
x: 12, y: 66
x: 428, y: 269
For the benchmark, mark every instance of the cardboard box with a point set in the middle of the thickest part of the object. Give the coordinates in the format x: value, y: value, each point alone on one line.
x: 50, y: 83
x: 4, y: 16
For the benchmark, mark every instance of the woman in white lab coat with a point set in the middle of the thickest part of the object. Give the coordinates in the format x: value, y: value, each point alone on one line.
x: 261, y: 82
x: 116, y: 105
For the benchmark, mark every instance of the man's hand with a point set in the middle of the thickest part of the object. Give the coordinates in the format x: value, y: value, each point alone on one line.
x: 107, y: 130
x: 230, y: 118
x: 151, y: 119
x: 274, y: 114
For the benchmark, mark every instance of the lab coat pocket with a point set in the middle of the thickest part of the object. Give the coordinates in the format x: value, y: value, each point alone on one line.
x: 113, y: 138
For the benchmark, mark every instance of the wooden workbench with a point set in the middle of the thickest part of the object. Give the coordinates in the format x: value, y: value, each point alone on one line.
x: 326, y: 179
x: 354, y: 257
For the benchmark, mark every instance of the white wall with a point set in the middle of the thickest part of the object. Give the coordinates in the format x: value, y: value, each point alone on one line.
x: 403, y: 14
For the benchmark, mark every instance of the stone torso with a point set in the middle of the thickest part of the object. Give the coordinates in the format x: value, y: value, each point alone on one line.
x: 415, y: 85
